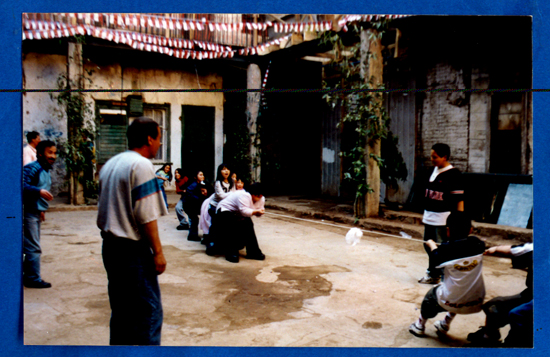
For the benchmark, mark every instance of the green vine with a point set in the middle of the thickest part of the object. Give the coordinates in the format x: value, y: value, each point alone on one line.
x: 77, y: 150
x: 363, y: 111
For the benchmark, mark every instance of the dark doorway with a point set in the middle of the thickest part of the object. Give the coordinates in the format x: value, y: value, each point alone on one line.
x: 291, y: 130
x: 197, y: 142
x: 506, y: 118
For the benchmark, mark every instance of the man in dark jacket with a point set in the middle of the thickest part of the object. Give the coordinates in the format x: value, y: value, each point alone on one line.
x: 37, y: 183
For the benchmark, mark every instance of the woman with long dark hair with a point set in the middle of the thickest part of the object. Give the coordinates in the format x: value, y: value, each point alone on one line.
x: 164, y: 177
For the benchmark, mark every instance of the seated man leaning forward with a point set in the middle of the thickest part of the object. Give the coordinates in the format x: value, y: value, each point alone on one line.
x: 233, y: 229
x: 462, y: 290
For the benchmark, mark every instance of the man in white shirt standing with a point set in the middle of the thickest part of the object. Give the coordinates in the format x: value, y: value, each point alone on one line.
x: 233, y: 228
x: 29, y: 151
x: 130, y: 202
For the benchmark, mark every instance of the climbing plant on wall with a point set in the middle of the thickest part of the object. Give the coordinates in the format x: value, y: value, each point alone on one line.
x: 77, y: 150
x: 363, y: 111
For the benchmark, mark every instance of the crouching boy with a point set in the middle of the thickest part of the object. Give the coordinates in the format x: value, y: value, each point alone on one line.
x: 462, y: 290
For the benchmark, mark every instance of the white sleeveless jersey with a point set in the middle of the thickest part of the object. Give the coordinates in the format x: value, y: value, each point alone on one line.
x: 462, y: 290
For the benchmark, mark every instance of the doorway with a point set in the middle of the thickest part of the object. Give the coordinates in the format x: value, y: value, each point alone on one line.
x: 197, y: 142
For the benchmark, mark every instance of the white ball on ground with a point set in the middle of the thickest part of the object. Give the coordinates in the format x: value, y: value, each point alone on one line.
x: 353, y: 237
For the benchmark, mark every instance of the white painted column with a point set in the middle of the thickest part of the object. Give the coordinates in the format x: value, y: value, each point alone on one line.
x: 254, y: 81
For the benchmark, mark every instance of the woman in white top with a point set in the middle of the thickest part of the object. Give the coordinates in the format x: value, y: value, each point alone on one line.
x: 223, y: 186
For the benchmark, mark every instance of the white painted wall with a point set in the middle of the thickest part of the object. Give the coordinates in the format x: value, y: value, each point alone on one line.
x: 134, y: 78
x: 41, y: 72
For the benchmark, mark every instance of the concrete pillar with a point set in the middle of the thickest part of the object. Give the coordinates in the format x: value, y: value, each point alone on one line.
x: 480, y: 124
x: 254, y: 81
x: 75, y: 76
x: 372, y: 68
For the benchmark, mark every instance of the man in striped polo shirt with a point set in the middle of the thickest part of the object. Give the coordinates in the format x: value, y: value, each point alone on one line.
x: 130, y: 202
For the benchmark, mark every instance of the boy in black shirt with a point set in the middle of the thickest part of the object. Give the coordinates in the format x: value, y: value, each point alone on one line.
x: 462, y: 290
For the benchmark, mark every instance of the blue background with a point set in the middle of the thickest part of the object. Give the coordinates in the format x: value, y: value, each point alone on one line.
x: 11, y: 312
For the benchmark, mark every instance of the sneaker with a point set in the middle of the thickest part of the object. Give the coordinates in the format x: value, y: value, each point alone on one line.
x: 429, y: 280
x: 441, y: 326
x: 417, y: 331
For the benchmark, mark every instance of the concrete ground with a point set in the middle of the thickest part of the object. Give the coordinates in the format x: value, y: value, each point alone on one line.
x: 313, y: 289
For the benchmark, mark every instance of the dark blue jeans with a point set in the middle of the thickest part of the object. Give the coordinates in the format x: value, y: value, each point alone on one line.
x: 134, y: 292
x: 31, y: 246
x: 439, y: 235
x: 193, y: 215
x: 164, y: 195
x: 521, y: 326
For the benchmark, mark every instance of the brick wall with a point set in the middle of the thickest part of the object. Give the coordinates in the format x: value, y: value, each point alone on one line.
x: 445, y: 115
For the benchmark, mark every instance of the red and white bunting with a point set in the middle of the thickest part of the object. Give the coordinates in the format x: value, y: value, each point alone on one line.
x: 37, y: 29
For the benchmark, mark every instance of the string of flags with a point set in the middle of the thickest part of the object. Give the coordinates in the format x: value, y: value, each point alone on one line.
x: 177, y: 47
x: 345, y: 20
x: 160, y: 22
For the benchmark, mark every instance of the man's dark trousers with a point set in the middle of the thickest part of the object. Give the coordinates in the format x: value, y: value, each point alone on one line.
x: 134, y: 292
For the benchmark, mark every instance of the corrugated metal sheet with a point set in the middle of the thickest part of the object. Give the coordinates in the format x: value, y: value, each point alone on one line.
x: 401, y: 109
x: 330, y: 170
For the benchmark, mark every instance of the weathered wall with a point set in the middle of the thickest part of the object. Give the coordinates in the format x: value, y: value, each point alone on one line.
x: 463, y: 121
x: 134, y: 78
x: 42, y: 71
x: 445, y: 115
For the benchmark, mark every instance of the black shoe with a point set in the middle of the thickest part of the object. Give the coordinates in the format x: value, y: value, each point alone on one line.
x: 233, y: 258
x: 257, y: 256
x: 38, y: 284
x: 194, y: 238
x: 484, y: 337
x: 211, y: 250
x: 183, y: 227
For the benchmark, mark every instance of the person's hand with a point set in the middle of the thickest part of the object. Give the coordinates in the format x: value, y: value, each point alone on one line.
x: 259, y: 212
x: 42, y: 216
x: 490, y: 251
x: 160, y: 263
x: 431, y: 244
x: 45, y: 194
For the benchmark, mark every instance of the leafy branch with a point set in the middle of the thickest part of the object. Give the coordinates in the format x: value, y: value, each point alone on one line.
x: 77, y: 150
x: 364, y: 112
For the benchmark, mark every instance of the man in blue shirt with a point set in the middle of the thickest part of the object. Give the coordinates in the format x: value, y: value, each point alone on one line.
x: 37, y: 183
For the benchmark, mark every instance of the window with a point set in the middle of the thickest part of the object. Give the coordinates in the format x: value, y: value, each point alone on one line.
x: 114, y: 121
x: 111, y: 138
x: 158, y: 114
